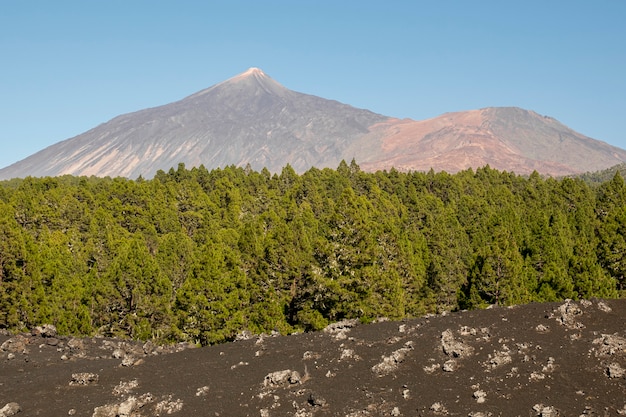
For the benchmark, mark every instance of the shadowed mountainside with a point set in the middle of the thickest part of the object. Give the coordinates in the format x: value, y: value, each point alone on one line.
x: 252, y: 119
x: 556, y: 359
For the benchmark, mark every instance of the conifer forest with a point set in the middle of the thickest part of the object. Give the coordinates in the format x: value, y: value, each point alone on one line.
x: 200, y: 256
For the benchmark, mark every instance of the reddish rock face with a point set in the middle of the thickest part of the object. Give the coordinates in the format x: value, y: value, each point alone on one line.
x: 507, y: 139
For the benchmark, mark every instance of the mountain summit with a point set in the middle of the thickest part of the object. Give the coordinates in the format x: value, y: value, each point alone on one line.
x: 252, y: 119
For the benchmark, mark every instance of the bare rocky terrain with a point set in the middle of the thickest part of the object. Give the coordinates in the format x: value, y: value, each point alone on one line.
x: 554, y: 359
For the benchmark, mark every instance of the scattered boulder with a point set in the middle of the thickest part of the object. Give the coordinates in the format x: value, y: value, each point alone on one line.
x: 282, y: 378
x: 76, y: 347
x: 168, y: 406
x: 125, y: 387
x: 315, y: 400
x: 340, y: 329
x: 349, y: 354
x: 566, y: 315
x: 390, y: 363
x: 498, y: 359
x: 84, y: 379
x: 439, y: 409
x: 453, y: 347
x: 610, y: 344
x: 16, y: 344
x: 127, y: 408
x: 545, y: 411
x: 47, y: 330
x: 615, y: 370
x: 449, y: 366
x: 480, y: 396
x: 244, y: 335
x: 10, y: 409
x: 602, y: 306
x: 129, y: 360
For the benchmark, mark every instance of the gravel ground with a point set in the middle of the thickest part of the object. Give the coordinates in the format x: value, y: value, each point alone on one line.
x: 554, y: 359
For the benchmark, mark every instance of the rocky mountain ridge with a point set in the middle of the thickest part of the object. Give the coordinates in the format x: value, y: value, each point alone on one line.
x: 252, y: 119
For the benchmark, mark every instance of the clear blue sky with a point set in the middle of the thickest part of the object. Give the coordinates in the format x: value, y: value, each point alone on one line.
x: 67, y: 66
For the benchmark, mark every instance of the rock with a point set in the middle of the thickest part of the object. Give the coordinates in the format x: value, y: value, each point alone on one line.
x: 118, y: 353
x: 602, y: 306
x: 308, y: 355
x: 439, y: 409
x: 566, y: 315
x: 498, y: 359
x: 341, y: 328
x: 452, y: 347
x: 316, y: 400
x: 610, y: 344
x: 395, y: 412
x: 282, y: 378
x: 406, y: 393
x: 76, y: 345
x: 15, y: 344
x: 202, y: 391
x: 349, y: 354
x: 148, y: 347
x: 124, y: 388
x: 545, y: 411
x: 125, y: 408
x: 84, y: 379
x: 429, y: 369
x: 10, y: 409
x: 244, y: 335
x: 480, y: 396
x: 47, y: 330
x: 168, y: 406
x: 52, y: 341
x: 128, y: 360
x: 449, y: 366
x: 390, y: 363
x: 614, y: 370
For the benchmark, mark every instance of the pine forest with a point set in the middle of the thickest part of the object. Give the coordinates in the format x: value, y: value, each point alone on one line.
x: 200, y: 256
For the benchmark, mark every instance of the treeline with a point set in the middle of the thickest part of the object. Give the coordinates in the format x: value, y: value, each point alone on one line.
x: 200, y: 255
x: 596, y: 178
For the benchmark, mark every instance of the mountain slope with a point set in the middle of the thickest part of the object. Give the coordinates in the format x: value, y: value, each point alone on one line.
x: 508, y: 138
x: 249, y: 118
x: 252, y: 119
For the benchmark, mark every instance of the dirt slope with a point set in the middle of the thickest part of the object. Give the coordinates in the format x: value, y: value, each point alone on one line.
x: 558, y: 359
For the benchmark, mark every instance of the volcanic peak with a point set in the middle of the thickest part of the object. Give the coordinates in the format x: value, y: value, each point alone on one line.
x: 251, y: 79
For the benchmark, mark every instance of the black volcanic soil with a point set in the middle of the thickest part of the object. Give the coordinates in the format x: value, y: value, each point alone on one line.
x: 556, y: 359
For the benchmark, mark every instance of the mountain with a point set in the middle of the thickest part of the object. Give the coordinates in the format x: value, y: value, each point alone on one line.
x: 252, y: 119
x: 506, y: 138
